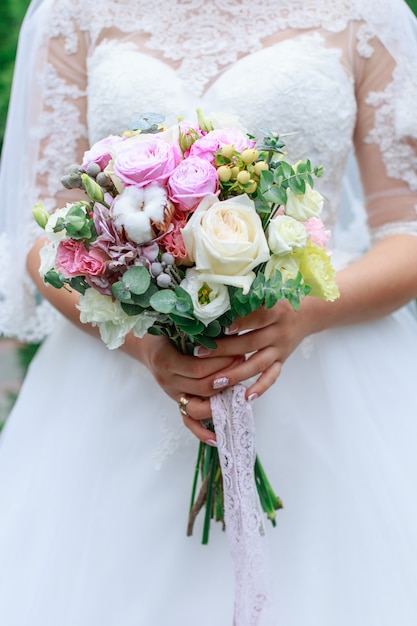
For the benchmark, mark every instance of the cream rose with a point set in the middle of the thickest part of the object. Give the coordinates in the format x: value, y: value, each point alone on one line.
x: 289, y: 266
x: 305, y: 206
x: 226, y: 240
x: 286, y: 233
x: 210, y: 300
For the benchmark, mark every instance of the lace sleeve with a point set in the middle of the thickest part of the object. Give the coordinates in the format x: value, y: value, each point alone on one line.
x: 45, y: 133
x: 386, y: 135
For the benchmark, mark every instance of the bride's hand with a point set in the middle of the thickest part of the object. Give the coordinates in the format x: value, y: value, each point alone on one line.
x: 183, y: 376
x: 271, y: 336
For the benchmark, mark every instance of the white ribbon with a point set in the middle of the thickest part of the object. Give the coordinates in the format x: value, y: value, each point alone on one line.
x: 244, y: 518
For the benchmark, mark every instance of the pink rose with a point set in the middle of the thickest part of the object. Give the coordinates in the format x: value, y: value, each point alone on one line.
x: 315, y: 229
x: 146, y: 161
x: 216, y: 139
x: 191, y: 181
x: 100, y: 152
x: 73, y: 259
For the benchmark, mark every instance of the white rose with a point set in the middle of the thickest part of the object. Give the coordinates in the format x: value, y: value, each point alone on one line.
x: 47, y: 255
x: 287, y: 265
x: 226, y: 240
x: 286, y: 233
x: 114, y: 324
x: 210, y: 300
x: 303, y: 207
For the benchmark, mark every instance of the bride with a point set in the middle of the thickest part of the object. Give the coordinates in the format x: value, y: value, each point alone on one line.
x: 95, y: 462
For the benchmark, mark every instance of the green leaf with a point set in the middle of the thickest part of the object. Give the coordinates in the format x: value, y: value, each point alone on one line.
x: 297, y: 186
x: 194, y: 328
x: 79, y: 284
x: 131, y: 309
x: 137, y: 279
x: 163, y: 301
x: 205, y: 341
x: 144, y: 300
x: 184, y: 301
x: 120, y: 292
x: 154, y: 330
x: 213, y: 329
x: 53, y: 278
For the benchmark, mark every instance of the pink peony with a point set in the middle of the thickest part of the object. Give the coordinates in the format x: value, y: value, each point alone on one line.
x: 100, y: 152
x: 216, y: 139
x: 191, y: 181
x: 146, y: 161
x: 73, y: 259
x: 315, y: 229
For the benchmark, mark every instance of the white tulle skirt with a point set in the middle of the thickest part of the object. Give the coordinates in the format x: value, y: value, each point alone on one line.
x: 95, y: 480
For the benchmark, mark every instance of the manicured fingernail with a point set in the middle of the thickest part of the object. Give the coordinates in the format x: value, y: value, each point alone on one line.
x: 212, y: 443
x: 232, y: 330
x: 201, y: 351
x: 221, y: 382
x: 252, y: 397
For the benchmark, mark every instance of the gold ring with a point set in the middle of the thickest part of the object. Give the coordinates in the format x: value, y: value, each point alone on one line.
x: 182, y: 405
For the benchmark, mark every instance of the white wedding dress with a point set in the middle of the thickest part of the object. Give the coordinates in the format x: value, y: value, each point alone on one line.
x: 95, y: 464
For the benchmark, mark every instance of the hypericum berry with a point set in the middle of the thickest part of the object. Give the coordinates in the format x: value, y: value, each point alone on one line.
x: 224, y: 173
x: 249, y: 155
x: 234, y: 171
x: 243, y: 177
x: 260, y: 166
x: 252, y: 188
x: 228, y: 151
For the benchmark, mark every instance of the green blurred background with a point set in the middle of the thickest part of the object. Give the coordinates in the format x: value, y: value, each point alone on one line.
x: 14, y: 357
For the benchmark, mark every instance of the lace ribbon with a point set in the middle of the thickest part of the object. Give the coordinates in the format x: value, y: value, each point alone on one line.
x: 245, y: 528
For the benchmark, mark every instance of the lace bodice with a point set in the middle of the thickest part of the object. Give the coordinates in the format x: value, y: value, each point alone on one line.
x: 314, y: 70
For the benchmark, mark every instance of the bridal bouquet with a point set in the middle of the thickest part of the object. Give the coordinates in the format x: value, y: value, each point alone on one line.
x: 178, y: 232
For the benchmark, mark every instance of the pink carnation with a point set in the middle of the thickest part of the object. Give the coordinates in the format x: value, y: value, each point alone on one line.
x: 316, y: 232
x: 145, y: 162
x: 216, y: 139
x: 73, y: 259
x: 192, y: 180
x: 173, y: 241
x: 100, y: 152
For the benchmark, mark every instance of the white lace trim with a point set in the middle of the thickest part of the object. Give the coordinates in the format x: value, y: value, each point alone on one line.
x: 394, y: 228
x: 245, y: 525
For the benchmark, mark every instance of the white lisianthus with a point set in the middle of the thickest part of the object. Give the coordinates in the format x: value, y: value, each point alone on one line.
x: 47, y: 255
x: 136, y: 208
x: 210, y: 300
x: 304, y: 206
x: 226, y: 241
x: 114, y: 324
x: 289, y: 266
x: 286, y: 233
x: 51, y: 223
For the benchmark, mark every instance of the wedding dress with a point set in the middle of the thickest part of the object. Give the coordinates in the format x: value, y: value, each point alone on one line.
x: 95, y: 464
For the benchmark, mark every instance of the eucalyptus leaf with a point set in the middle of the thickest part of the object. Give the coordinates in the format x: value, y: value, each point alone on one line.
x: 144, y: 300
x: 137, y: 279
x: 205, y: 341
x: 163, y: 301
x: 131, y: 309
x: 121, y: 293
x: 214, y: 329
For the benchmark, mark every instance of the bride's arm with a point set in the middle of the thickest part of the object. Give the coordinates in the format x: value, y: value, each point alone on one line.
x: 385, y: 277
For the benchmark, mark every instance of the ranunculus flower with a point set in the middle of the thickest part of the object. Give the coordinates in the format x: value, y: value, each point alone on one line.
x: 216, y: 139
x: 114, y: 324
x: 100, y: 152
x: 192, y: 180
x: 73, y: 259
x: 285, y: 233
x: 316, y: 232
x: 147, y: 161
x: 226, y: 240
x: 305, y: 206
x: 210, y: 300
x: 143, y: 213
x: 318, y: 272
x: 288, y: 265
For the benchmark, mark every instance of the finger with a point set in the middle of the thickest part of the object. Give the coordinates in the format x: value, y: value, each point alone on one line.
x: 254, y: 366
x: 202, y: 433
x: 265, y: 381
x: 197, y: 408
